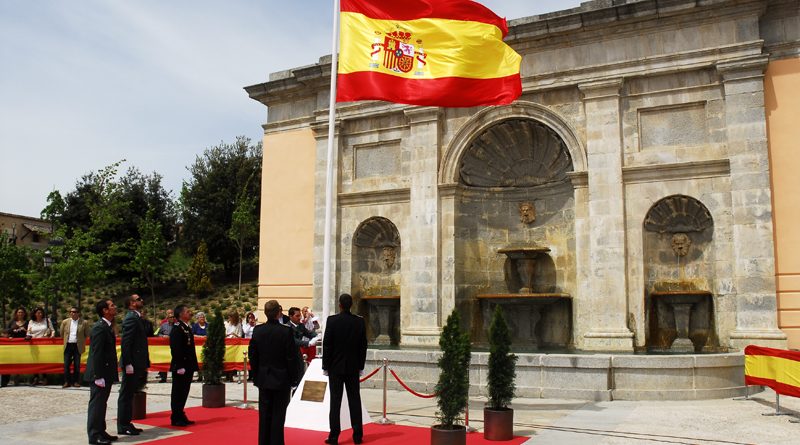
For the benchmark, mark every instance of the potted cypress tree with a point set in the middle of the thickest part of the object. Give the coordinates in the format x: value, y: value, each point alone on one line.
x: 452, y: 390
x: 498, y: 418
x: 213, y: 362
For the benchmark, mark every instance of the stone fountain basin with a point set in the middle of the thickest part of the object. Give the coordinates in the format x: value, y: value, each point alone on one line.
x: 680, y: 296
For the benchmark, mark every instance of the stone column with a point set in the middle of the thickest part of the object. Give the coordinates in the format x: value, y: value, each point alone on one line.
x: 420, y: 301
x: 751, y: 206
x: 320, y: 130
x: 581, y: 301
x: 607, y: 273
x: 447, y: 255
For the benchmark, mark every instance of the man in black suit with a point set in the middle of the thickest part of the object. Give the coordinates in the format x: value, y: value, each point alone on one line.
x: 344, y: 351
x: 275, y: 363
x: 134, y: 361
x: 101, y: 372
x: 183, y: 364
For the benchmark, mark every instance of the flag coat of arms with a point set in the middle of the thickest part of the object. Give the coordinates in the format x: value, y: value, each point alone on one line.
x: 447, y: 53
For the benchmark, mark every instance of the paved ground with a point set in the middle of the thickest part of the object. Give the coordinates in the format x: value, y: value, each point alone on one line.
x: 51, y: 415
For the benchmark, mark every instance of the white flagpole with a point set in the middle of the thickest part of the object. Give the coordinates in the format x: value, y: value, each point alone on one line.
x: 326, y: 251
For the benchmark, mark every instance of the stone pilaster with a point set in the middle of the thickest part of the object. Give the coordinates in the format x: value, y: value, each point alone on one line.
x: 320, y: 130
x: 607, y: 294
x: 421, y: 301
x: 751, y: 206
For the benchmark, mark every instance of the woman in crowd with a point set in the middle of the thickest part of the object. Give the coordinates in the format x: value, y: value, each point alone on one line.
x: 200, y: 329
x: 17, y: 328
x: 249, y: 325
x: 39, y: 327
x: 233, y: 326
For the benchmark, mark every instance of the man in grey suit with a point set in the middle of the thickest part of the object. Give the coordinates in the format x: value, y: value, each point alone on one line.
x: 344, y: 352
x: 101, y: 372
x: 134, y: 361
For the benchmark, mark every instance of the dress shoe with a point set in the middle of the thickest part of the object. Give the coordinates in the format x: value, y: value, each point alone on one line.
x: 332, y: 441
x: 190, y: 422
x: 180, y: 423
x: 99, y: 440
x: 65, y: 385
x: 109, y: 437
x: 76, y: 385
x: 128, y: 430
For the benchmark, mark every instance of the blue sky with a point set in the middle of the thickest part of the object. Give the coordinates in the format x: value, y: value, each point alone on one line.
x: 85, y: 83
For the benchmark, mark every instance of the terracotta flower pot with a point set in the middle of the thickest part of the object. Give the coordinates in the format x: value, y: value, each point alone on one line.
x: 498, y: 424
x: 456, y: 435
x: 139, y: 405
x: 213, y: 396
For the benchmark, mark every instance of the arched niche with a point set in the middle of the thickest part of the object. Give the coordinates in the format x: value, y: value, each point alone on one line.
x: 376, y: 278
x: 679, y: 266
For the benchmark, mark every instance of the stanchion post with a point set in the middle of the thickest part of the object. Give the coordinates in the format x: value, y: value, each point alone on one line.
x: 384, y: 420
x: 777, y: 407
x: 244, y: 404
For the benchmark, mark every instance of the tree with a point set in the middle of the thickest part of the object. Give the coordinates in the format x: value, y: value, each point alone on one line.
x: 197, y: 277
x: 75, y: 263
x: 15, y: 268
x: 214, y: 351
x: 208, y: 199
x: 244, y: 227
x: 452, y: 389
x: 502, y: 363
x: 150, y: 256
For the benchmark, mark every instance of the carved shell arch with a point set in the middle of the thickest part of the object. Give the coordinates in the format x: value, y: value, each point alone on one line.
x: 678, y: 213
x: 376, y: 232
x: 515, y: 153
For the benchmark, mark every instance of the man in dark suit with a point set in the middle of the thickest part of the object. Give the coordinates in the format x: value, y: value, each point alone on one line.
x: 344, y: 351
x: 183, y: 364
x: 275, y: 363
x: 101, y: 372
x: 134, y: 361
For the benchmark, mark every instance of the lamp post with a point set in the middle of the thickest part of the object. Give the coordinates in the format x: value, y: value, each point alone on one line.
x: 48, y: 263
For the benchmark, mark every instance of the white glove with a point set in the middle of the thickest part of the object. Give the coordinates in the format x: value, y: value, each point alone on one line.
x: 324, y: 372
x: 128, y: 369
x: 313, y: 341
x: 181, y: 371
x: 100, y: 382
x: 361, y: 373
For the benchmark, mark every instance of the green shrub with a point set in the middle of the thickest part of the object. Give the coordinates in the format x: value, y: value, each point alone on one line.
x: 502, y: 363
x: 453, y: 387
x: 214, y: 351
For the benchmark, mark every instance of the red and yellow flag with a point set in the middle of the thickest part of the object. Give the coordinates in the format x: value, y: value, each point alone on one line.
x: 447, y: 53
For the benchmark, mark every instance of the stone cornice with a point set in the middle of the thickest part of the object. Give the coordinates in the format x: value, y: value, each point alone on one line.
x: 375, y: 197
x: 579, y: 179
x: 601, y: 89
x: 678, y: 171
x: 743, y: 68
x: 421, y: 115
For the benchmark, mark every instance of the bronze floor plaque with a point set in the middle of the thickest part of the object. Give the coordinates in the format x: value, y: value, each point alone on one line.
x: 313, y: 391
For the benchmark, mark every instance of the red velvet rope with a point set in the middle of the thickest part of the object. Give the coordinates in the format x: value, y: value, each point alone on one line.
x: 371, y: 374
x: 424, y: 396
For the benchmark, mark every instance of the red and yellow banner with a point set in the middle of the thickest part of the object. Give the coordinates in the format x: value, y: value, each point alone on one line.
x: 447, y: 53
x: 46, y: 355
x: 776, y: 368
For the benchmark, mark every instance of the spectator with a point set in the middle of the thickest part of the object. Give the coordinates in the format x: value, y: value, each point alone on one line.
x: 306, y: 340
x: 39, y: 327
x: 17, y: 328
x: 164, y: 331
x: 200, y: 329
x: 282, y: 318
x: 249, y: 324
x: 233, y: 326
x: 75, y: 331
x: 310, y: 320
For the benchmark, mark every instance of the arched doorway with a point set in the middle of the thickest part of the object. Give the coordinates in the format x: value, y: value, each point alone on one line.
x: 376, y: 278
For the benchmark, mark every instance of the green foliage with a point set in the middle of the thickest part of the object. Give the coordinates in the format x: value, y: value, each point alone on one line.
x: 452, y: 388
x: 15, y: 269
x: 502, y: 363
x: 214, y: 350
x: 198, y: 280
x: 150, y: 256
x: 207, y: 205
x: 243, y: 227
x: 75, y: 263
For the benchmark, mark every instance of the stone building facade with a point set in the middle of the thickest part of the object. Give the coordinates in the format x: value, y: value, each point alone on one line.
x: 642, y: 124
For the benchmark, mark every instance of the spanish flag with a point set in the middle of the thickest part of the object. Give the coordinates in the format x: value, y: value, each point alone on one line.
x: 447, y: 53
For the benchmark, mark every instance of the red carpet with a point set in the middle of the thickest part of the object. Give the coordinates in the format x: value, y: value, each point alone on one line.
x: 240, y: 427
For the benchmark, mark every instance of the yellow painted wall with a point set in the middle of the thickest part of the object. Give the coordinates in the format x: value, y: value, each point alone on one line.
x: 782, y: 101
x: 287, y: 220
